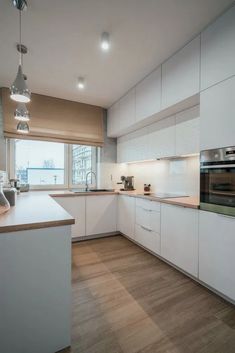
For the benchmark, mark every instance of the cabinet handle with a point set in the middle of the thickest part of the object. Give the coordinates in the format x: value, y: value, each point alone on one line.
x: 145, y: 209
x: 145, y: 228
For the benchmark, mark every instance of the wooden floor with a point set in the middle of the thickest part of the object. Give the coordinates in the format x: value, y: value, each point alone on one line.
x: 126, y: 300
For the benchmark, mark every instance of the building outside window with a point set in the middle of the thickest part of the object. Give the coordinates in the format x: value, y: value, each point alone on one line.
x: 51, y: 165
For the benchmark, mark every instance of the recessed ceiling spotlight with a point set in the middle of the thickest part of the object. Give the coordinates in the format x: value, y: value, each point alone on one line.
x: 105, y: 42
x: 81, y: 83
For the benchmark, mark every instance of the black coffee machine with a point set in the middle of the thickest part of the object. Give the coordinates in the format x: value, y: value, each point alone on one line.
x: 128, y: 183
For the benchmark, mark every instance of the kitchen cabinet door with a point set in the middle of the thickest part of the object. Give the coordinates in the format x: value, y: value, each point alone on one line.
x: 187, y: 131
x: 113, y: 120
x: 218, y: 50
x: 148, y: 238
x: 148, y: 96
x: 216, y: 252
x: 75, y: 206
x: 217, y: 112
x: 127, y: 111
x: 179, y: 237
x: 101, y: 214
x: 180, y: 74
x: 161, y: 138
x: 126, y: 215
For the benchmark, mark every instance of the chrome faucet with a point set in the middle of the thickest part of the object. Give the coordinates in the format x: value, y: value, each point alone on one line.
x: 91, y: 172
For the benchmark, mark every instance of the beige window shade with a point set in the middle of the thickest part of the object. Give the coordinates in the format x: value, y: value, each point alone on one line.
x: 54, y: 119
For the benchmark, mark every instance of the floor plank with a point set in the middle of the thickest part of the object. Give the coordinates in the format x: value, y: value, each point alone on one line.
x: 125, y: 300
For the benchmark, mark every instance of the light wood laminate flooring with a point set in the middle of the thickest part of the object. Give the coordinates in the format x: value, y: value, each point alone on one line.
x: 126, y: 300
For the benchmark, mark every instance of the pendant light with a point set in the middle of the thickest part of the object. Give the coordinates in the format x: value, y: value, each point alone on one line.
x: 23, y: 127
x: 21, y: 112
x: 19, y: 90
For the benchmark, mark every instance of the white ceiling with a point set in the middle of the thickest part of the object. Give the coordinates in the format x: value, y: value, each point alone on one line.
x: 63, y: 41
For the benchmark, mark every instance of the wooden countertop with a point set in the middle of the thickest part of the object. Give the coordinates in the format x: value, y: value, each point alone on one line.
x: 189, y: 201
x: 34, y: 210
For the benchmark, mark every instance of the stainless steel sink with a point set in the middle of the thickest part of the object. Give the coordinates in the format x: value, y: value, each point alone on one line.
x: 77, y: 191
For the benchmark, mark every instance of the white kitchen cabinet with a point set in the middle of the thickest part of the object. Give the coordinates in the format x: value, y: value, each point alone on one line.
x: 216, y: 252
x: 101, y: 214
x: 113, y: 121
x: 187, y: 140
x: 147, y: 224
x: 148, y: 96
x: 180, y: 74
x: 217, y: 115
x: 218, y: 50
x: 126, y: 215
x: 161, y: 138
x: 127, y: 111
x: 179, y: 237
x: 75, y: 206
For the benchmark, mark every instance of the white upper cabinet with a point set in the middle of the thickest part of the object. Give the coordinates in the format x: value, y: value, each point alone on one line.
x: 187, y: 131
x: 127, y: 111
x: 218, y: 50
x: 216, y: 252
x: 161, y: 138
x: 148, y: 96
x: 179, y: 237
x: 217, y: 115
x: 180, y: 74
x: 113, y: 120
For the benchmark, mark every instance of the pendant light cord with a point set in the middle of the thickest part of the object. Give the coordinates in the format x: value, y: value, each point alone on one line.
x: 21, y: 61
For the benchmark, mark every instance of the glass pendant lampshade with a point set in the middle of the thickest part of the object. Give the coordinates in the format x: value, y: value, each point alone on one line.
x: 23, y: 127
x: 19, y: 89
x: 22, y: 113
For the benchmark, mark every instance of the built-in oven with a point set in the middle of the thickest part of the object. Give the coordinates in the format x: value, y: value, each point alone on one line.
x: 217, y: 180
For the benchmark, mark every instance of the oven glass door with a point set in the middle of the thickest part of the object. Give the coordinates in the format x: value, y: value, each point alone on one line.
x: 217, y: 188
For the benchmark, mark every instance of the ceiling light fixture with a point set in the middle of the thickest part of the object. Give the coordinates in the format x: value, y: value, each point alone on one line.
x: 22, y: 113
x: 81, y: 83
x: 23, y: 127
x: 19, y: 90
x: 105, y: 42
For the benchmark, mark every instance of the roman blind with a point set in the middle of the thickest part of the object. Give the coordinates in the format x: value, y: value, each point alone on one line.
x: 57, y: 120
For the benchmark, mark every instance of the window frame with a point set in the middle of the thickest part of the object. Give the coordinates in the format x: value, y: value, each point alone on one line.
x: 67, y: 169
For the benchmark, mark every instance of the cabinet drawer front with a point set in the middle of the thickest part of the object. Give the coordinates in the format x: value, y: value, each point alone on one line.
x: 148, y: 218
x: 147, y: 238
x: 148, y: 205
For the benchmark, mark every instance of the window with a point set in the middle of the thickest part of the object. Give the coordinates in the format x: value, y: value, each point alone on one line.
x: 51, y: 165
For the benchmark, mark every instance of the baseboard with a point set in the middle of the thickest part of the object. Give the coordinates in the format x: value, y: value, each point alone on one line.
x: 94, y: 236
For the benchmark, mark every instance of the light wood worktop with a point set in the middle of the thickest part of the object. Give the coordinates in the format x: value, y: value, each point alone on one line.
x: 34, y: 210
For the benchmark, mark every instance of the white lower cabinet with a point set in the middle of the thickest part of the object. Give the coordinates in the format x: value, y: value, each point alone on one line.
x: 179, y: 237
x: 147, y: 224
x: 101, y: 214
x: 126, y: 215
x: 76, y: 207
x: 216, y: 252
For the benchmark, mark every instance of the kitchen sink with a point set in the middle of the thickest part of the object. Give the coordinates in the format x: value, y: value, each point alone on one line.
x: 91, y: 190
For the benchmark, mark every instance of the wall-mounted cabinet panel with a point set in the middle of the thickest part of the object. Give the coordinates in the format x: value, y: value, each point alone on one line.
x: 161, y: 138
x: 216, y: 252
x: 126, y: 215
x: 217, y: 115
x: 148, y: 96
x: 76, y: 206
x: 101, y: 214
x: 113, y: 120
x: 127, y: 110
x: 180, y: 74
x: 218, y: 50
x: 187, y: 140
x: 179, y: 237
